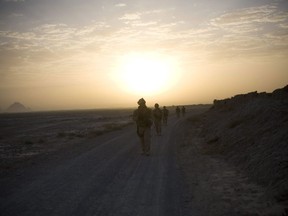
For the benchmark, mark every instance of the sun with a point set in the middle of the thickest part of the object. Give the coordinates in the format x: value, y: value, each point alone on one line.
x: 146, y: 73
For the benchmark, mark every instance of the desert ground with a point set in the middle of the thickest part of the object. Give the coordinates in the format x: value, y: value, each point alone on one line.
x: 229, y: 158
x: 235, y: 156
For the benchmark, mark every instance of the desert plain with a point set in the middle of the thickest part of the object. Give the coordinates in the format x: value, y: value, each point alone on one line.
x: 225, y: 158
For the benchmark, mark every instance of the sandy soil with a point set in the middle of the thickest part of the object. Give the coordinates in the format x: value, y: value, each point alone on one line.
x: 99, y: 175
x: 215, y: 186
x: 24, y: 136
x: 235, y: 155
x: 81, y: 169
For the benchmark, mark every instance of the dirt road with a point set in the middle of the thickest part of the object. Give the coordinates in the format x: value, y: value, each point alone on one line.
x: 105, y: 175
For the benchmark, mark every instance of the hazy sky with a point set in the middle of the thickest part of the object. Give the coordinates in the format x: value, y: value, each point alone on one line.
x: 67, y: 54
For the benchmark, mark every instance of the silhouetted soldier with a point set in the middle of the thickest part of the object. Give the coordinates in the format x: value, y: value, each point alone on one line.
x: 183, y: 110
x: 143, y: 118
x: 165, y: 115
x: 157, y: 117
x: 178, y: 111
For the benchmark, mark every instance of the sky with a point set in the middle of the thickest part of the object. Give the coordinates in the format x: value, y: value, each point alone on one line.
x: 86, y: 54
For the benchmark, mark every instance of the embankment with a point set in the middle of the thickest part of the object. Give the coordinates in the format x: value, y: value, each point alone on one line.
x: 251, y: 132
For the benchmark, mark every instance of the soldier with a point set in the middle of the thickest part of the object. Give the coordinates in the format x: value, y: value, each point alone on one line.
x: 165, y: 115
x: 183, y: 110
x: 143, y: 118
x: 178, y: 111
x: 157, y: 117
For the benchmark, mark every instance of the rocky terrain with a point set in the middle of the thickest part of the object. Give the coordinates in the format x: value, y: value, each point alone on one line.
x: 250, y: 133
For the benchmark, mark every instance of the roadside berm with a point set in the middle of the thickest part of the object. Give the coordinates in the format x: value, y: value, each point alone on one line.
x: 235, y: 156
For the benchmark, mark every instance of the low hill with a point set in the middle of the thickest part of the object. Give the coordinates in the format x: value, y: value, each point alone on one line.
x: 251, y: 132
x: 17, y: 107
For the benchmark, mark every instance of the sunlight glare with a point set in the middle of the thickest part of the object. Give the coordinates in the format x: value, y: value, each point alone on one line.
x: 146, y: 73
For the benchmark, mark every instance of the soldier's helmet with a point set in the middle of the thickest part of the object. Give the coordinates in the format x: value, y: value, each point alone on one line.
x: 156, y: 105
x: 141, y: 101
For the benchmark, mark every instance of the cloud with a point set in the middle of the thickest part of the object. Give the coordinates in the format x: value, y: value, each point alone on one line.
x: 49, y: 49
x: 250, y: 17
x: 237, y: 33
x: 14, y: 0
x: 53, y: 36
x: 284, y: 25
x: 145, y: 19
x: 131, y: 16
x: 250, y: 31
x: 16, y: 15
x: 247, y: 15
x: 17, y: 35
x: 120, y: 5
x: 144, y: 24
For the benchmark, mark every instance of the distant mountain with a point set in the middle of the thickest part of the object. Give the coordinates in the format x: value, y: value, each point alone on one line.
x: 17, y: 107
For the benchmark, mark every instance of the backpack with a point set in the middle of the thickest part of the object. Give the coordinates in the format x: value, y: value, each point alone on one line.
x: 142, y: 116
x: 165, y: 112
x: 157, y: 113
